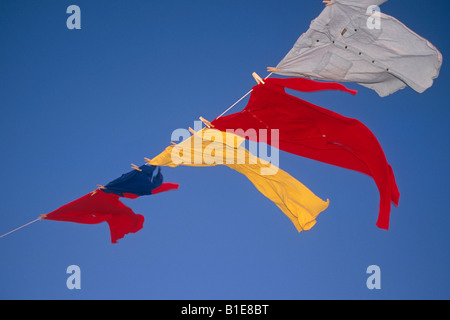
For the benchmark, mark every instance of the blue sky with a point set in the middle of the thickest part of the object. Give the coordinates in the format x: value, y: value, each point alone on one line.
x: 79, y: 106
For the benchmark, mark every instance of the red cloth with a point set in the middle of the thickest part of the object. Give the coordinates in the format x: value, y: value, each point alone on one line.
x: 97, y: 207
x: 167, y: 186
x: 316, y: 133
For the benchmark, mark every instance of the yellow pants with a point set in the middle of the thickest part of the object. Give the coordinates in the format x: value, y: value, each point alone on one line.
x: 210, y: 147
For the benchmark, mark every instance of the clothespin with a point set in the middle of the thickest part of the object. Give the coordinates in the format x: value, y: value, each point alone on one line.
x: 272, y: 69
x: 135, y: 167
x: 173, y: 143
x: 147, y: 160
x: 329, y: 3
x: 191, y: 130
x: 206, y: 122
x: 258, y: 78
x: 95, y: 191
x: 43, y: 216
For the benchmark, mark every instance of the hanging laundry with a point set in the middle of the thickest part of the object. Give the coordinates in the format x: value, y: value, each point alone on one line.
x: 141, y: 181
x: 345, y: 44
x: 98, y: 207
x: 314, y: 132
x: 104, y: 205
x: 210, y: 147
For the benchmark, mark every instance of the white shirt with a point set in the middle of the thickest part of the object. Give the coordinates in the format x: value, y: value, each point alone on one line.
x: 344, y: 43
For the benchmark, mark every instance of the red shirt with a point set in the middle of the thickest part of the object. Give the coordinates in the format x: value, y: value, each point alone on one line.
x: 316, y: 133
x: 97, y: 207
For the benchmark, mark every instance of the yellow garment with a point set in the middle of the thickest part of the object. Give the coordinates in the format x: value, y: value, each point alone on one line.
x: 210, y: 147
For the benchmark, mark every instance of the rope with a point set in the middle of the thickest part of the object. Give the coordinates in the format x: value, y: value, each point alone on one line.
x: 40, y: 218
x: 240, y: 99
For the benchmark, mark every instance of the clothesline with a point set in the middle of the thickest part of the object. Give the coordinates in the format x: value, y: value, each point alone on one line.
x: 38, y: 219
x: 240, y: 99
x: 41, y: 217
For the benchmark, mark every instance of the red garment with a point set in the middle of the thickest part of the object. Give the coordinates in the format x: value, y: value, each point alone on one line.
x: 97, y: 207
x: 166, y: 186
x: 316, y: 133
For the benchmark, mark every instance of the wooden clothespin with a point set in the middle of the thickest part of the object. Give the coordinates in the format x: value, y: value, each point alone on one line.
x: 329, y: 3
x: 258, y: 78
x: 147, y: 160
x: 173, y: 143
x: 272, y: 69
x: 191, y: 130
x: 95, y: 191
x: 43, y: 216
x: 135, y: 167
x: 206, y: 122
